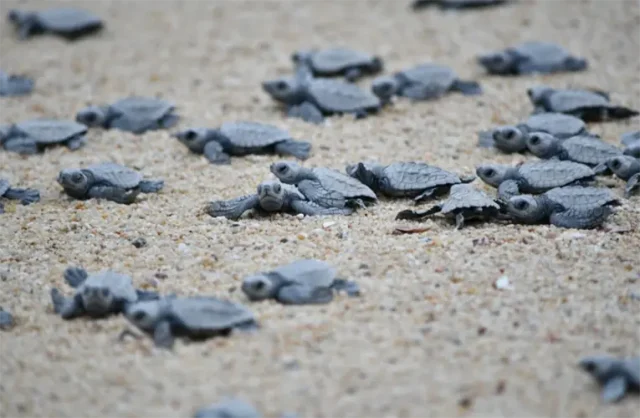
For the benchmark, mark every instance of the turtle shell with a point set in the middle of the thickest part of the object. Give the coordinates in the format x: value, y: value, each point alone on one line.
x: 416, y: 176
x: 252, y: 134
x: 120, y: 285
x: 4, y: 186
x: 589, y: 150
x: 142, y: 108
x: 542, y: 52
x: 465, y: 196
x: 544, y: 175
x: 334, y: 60
x: 556, y: 124
x: 50, y: 131
x: 338, y: 96
x: 311, y: 272
x: 581, y: 197
x: 115, y: 174
x: 569, y: 100
x: 345, y: 185
x: 433, y: 74
x: 629, y: 138
x: 200, y: 314
x: 65, y: 19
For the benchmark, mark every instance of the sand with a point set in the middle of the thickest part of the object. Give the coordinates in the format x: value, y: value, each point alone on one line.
x: 430, y: 335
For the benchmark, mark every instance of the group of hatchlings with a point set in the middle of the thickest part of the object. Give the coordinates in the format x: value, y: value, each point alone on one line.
x: 553, y: 189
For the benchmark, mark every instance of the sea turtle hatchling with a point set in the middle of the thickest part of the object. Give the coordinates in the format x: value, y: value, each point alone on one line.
x: 513, y: 138
x: 617, y: 375
x: 464, y: 203
x: 532, y: 57
x: 565, y: 207
x: 271, y: 197
x: 25, y: 196
x: 97, y: 295
x: 33, y: 136
x: 626, y: 168
x: 588, y: 105
x: 338, y: 62
x: 324, y: 186
x: 423, y: 82
x: 195, y: 317
x: 6, y: 320
x: 305, y: 281
x: 228, y: 408
x: 131, y: 114
x: 15, y: 85
x: 456, y: 4
x: 242, y: 138
x: 584, y: 149
x: 406, y: 179
x: 533, y: 177
x: 67, y: 22
x: 108, y: 181
x: 311, y: 99
x: 631, y: 141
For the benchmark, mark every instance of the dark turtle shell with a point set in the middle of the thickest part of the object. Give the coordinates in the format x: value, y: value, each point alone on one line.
x: 340, y: 97
x: 50, y: 131
x: 252, y: 134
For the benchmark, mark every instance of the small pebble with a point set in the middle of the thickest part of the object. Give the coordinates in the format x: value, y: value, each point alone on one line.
x: 139, y: 242
x: 6, y: 320
x: 328, y: 224
x: 503, y: 283
x: 182, y: 247
x: 300, y: 216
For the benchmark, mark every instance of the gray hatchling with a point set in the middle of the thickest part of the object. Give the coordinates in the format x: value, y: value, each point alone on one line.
x: 565, y: 207
x: 108, y: 181
x: 311, y: 99
x: 132, y: 114
x: 465, y: 203
x: 406, y: 179
x: 584, y: 149
x: 588, y: 105
x: 618, y: 376
x: 456, y: 4
x: 631, y: 141
x: 513, y: 138
x: 242, y: 138
x: 15, y: 85
x: 6, y: 320
x: 33, y: 136
x: 324, y: 186
x: 338, y: 61
x: 304, y: 281
x: 532, y: 57
x: 533, y: 177
x: 271, y: 197
x: 228, y: 408
x: 423, y: 82
x: 626, y: 168
x: 97, y: 295
x: 67, y: 22
x: 25, y: 196
x: 195, y: 317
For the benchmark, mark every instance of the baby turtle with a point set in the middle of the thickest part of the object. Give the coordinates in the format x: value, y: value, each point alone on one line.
x: 631, y: 141
x: 510, y: 139
x: 423, y: 82
x: 302, y: 282
x: 324, y: 186
x: 271, y: 197
x: 564, y: 207
x: 406, y: 179
x: 456, y: 4
x: 626, y: 168
x: 617, y: 376
x: 15, y: 85
x: 69, y: 23
x: 532, y: 57
x: 33, y: 136
x: 228, y: 408
x: 6, y: 320
x: 588, y: 105
x: 582, y: 149
x: 108, y: 181
x: 97, y: 295
x: 311, y: 99
x: 338, y: 62
x: 464, y: 203
x: 533, y: 177
x: 242, y: 138
x: 195, y: 317
x: 25, y: 196
x: 132, y: 114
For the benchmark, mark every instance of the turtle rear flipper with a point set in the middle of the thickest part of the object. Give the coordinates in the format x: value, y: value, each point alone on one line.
x: 632, y: 185
x: 298, y: 149
x: 215, y: 153
x: 313, y: 209
x: 599, y: 114
x: 163, y: 336
x: 114, y: 194
x: 581, y: 218
x: 350, y: 287
x: 25, y: 196
x: 418, y: 214
x: 614, y: 389
x: 233, y: 208
x: 303, y: 295
x: 468, y: 88
x: 307, y: 112
x: 144, y: 295
x: 15, y: 85
x: 75, y: 276
x: 485, y: 139
x: 151, y: 186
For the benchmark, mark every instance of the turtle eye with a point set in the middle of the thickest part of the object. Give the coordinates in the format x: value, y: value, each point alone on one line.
x: 281, y: 85
x: 259, y: 285
x: 277, y: 188
x: 615, y: 164
x: 521, y: 205
x: 104, y: 292
x: 139, y: 316
x: 190, y: 135
x: 489, y: 172
x: 282, y: 169
x: 77, y: 177
x: 509, y: 135
x: 534, y: 140
x: 90, y: 117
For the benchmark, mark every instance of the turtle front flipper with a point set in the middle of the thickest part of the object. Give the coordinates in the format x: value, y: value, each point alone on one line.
x: 145, y: 295
x: 632, y: 185
x: 298, y: 149
x: 76, y: 143
x: 168, y: 121
x: 304, y: 295
x: 25, y: 196
x: 307, y: 112
x: 312, y: 209
x: 350, y: 287
x: 459, y: 220
x: 614, y: 389
x: 75, y: 276
x: 425, y: 195
x: 580, y: 218
x: 68, y: 308
x: 233, y: 208
x: 163, y: 336
x: 602, y: 169
x: 467, y: 87
x: 353, y: 74
x: 15, y: 85
x: 421, y: 92
x: 418, y: 214
x: 215, y: 153
x: 24, y: 146
x: 114, y: 194
x: 151, y: 186
x: 507, y: 190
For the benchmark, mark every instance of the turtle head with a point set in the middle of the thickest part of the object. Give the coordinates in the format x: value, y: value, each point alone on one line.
x: 492, y: 174
x: 258, y: 287
x: 497, y: 63
x: 144, y: 314
x: 365, y: 172
x: 285, y: 90
x: 542, y: 144
x: 194, y: 138
x: 575, y: 64
x: 509, y: 139
x: 271, y: 195
x: 302, y: 56
x: 599, y: 367
x: 385, y: 87
x: 287, y: 171
x: 92, y: 116
x: 75, y: 180
x: 537, y: 93
x: 97, y: 301
x: 525, y: 208
x: 624, y: 166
